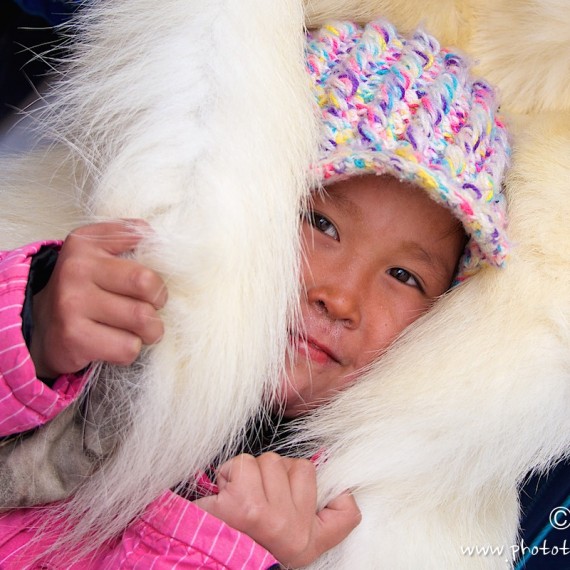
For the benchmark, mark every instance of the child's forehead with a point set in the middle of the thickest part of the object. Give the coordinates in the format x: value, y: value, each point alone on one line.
x: 342, y: 195
x: 350, y: 194
x: 384, y: 202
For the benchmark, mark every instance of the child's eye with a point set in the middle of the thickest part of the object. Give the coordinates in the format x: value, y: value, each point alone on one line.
x: 405, y: 277
x: 323, y: 224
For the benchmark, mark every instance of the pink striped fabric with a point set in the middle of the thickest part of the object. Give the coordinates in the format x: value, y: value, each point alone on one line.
x: 171, y: 533
x: 25, y: 401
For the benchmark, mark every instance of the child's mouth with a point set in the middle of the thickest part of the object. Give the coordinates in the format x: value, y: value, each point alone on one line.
x: 315, y: 351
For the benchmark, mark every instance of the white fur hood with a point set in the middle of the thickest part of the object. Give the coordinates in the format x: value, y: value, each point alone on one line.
x: 197, y: 116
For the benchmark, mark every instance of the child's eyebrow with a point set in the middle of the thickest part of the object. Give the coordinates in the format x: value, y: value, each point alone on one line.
x: 345, y: 204
x: 423, y: 255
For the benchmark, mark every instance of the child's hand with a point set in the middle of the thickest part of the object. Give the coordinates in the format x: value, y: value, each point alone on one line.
x: 96, y: 305
x: 273, y: 499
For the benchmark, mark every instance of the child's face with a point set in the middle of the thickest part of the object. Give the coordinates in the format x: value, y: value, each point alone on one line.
x: 377, y: 253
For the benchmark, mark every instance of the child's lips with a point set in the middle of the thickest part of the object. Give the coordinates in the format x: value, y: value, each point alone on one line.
x: 316, y: 351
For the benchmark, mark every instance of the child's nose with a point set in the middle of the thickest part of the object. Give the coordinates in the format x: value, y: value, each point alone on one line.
x: 338, y: 303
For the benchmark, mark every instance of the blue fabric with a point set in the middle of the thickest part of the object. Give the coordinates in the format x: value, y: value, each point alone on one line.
x: 52, y: 11
x: 546, y: 547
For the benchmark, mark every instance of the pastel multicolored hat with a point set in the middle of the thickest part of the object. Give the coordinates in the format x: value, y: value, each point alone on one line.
x: 407, y: 108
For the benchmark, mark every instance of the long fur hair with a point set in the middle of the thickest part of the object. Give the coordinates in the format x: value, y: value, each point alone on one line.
x: 474, y: 395
x: 162, y: 117
x: 197, y: 117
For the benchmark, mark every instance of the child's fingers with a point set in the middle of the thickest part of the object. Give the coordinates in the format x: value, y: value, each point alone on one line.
x: 92, y: 342
x: 241, y: 499
x: 290, y: 486
x: 114, y: 237
x: 336, y: 521
x: 131, y: 279
x: 273, y: 500
x: 303, y: 484
x: 124, y: 313
x: 243, y: 474
x: 274, y: 471
x: 90, y: 253
x: 112, y: 345
x: 298, y: 476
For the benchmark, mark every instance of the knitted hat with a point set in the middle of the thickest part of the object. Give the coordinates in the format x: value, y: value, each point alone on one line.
x: 407, y: 108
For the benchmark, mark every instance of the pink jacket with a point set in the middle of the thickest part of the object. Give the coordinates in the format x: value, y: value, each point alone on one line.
x: 171, y: 533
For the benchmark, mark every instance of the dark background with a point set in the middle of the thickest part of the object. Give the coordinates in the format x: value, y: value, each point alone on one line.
x: 26, y: 32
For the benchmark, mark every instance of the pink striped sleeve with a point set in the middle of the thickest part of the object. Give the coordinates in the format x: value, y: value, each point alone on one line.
x: 25, y: 401
x: 174, y: 533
